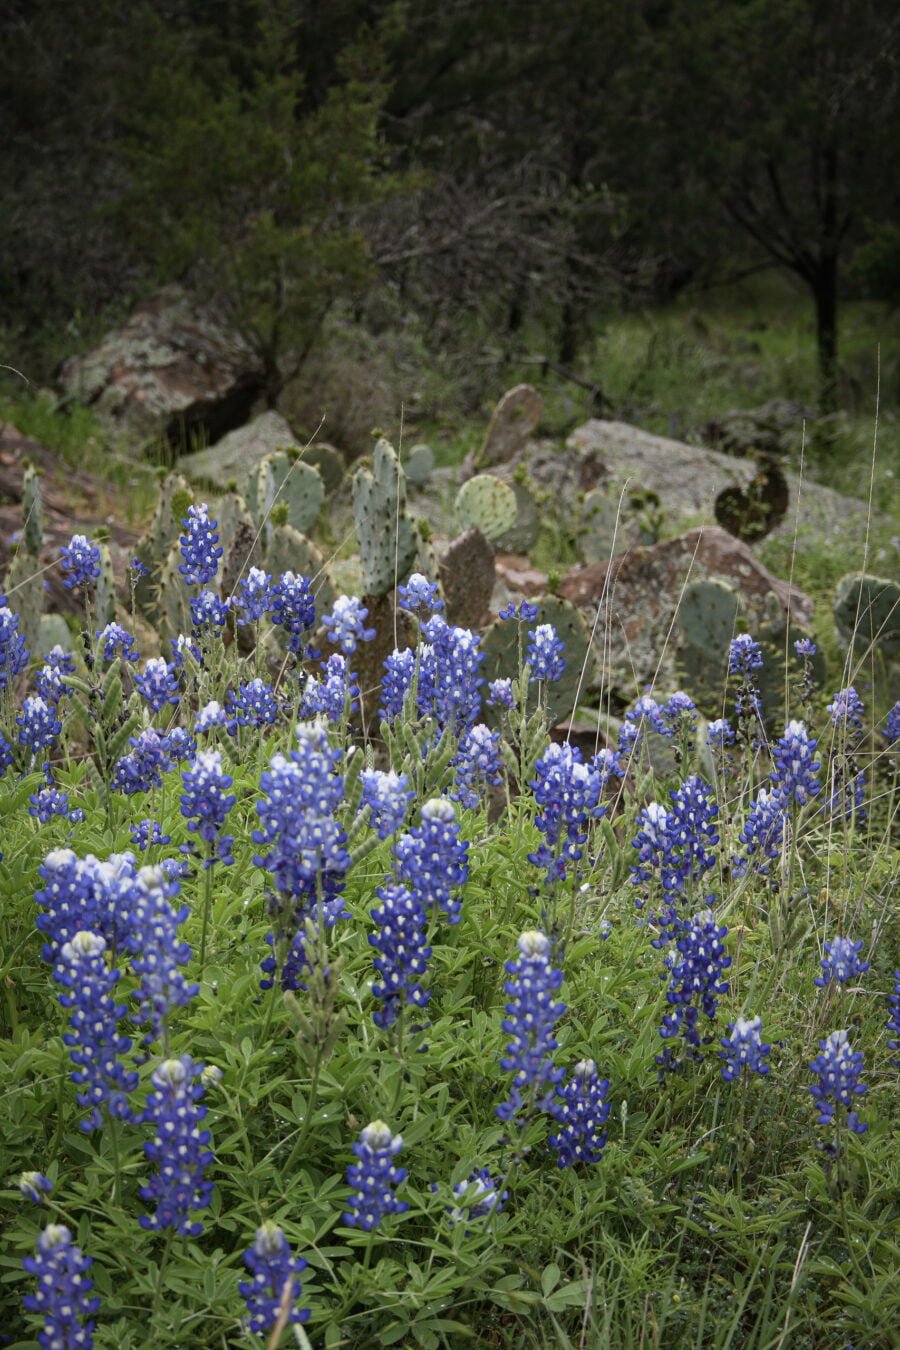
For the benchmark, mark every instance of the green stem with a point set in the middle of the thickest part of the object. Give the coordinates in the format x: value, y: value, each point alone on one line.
x: 270, y: 1011
x: 117, y: 1168
x: 11, y: 1007
x: 160, y: 1271
x: 207, y: 906
x: 297, y: 1150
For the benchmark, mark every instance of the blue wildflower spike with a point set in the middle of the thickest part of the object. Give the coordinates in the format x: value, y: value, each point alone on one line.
x: 743, y: 1049
x: 63, y: 1295
x: 179, y: 1148
x: 374, y: 1178
x: 275, y: 1281
x: 532, y: 1014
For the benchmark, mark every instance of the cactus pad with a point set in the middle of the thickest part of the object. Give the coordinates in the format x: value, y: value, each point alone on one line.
x: 387, y: 536
x: 488, y: 503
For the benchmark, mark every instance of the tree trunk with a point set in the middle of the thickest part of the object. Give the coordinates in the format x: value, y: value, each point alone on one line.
x: 825, y: 294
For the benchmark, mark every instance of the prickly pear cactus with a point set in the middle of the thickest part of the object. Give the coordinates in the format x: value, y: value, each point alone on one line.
x: 261, y: 492
x: 387, y: 536
x: 705, y: 624
x: 329, y: 462
x: 230, y: 510
x: 105, y: 589
x: 303, y: 491
x: 488, y: 503
x: 172, y: 613
x: 32, y: 510
x: 291, y: 551
x: 521, y: 537
x: 418, y: 464
x: 24, y: 588
x: 500, y: 643
x: 867, y: 612
x: 154, y: 547
x: 777, y: 638
x: 426, y: 560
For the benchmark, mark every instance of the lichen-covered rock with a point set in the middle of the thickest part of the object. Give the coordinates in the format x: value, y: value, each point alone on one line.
x: 775, y: 428
x: 467, y: 576
x: 169, y: 370
x: 234, y: 458
x: 513, y: 422
x: 637, y: 597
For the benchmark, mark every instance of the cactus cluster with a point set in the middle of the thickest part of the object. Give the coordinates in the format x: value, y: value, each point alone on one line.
x: 296, y: 484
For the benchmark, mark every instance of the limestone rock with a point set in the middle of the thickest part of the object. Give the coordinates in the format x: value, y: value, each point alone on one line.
x: 170, y: 370
x: 637, y: 596
x: 235, y: 456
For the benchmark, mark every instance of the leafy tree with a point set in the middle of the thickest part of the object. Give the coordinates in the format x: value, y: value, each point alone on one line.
x: 253, y: 196
x: 784, y: 113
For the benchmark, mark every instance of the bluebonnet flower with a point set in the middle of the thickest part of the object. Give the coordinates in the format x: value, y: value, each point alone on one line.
x: 336, y: 694
x: 7, y: 754
x: 346, y: 624
x: 532, y: 1013
x: 432, y: 860
x: 399, y: 669
x: 200, y: 547
x: 893, y: 1022
x: 39, y: 724
x: 581, y: 1113
x: 34, y: 1186
x: 449, y: 677
x: 720, y: 734
x: 209, y: 614
x: 84, y: 894
x: 567, y: 793
x: 646, y: 711
x: 477, y: 1197
x: 206, y: 801
x: 743, y: 1048
x: 255, y: 599
x: 305, y: 845
x: 148, y: 832
x: 500, y: 694
x: 293, y: 609
x: 387, y: 795
x: 795, y: 769
x: 138, y: 569
x: 49, y: 802
x: 695, y: 970
x: 179, y: 1148
x: 652, y: 843
x: 184, y: 646
x: 157, y: 953
x: 680, y: 713
x: 63, y: 1295
x: 608, y: 764
x: 890, y: 730
x: 762, y: 833
x: 116, y: 641
x: 210, y: 715
x: 846, y: 795
x: 419, y: 596
x: 374, y: 1177
x: 51, y: 686
x: 254, y: 705
x: 94, y: 1039
x: 545, y: 654
x: 692, y: 834
x: 805, y: 648
x: 143, y: 767
x: 79, y: 562
x: 847, y: 709
x: 402, y: 958
x: 61, y: 660
x: 13, y: 651
x: 180, y: 744
x: 841, y: 962
x: 158, y: 685
x: 478, y: 765
x: 274, y: 1270
x: 839, y: 1069
x: 525, y: 612
x: 744, y: 655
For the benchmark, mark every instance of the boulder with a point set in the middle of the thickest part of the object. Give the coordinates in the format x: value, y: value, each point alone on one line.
x: 637, y: 597
x: 687, y: 479
x: 235, y: 456
x: 514, y: 421
x: 170, y: 371
x: 774, y: 428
